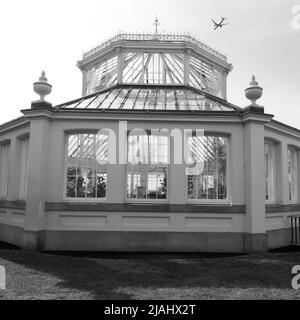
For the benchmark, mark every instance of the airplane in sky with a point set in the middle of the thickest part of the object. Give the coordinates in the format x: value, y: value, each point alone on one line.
x: 220, y: 24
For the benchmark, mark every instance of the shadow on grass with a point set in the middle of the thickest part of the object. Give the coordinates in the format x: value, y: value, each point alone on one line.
x: 291, y: 248
x: 7, y: 246
x: 117, y: 275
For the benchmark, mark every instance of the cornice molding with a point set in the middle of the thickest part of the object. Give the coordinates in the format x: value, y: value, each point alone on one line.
x: 256, y: 117
x: 14, y: 124
x: 282, y: 128
x: 38, y: 113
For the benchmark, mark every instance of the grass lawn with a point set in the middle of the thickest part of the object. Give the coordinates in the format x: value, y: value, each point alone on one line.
x: 32, y: 275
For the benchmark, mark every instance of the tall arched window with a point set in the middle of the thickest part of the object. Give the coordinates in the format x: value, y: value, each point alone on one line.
x: 207, y: 168
x: 148, y: 158
x: 86, y: 175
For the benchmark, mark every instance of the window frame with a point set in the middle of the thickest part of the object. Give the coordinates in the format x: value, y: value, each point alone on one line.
x: 228, y: 200
x: 78, y: 199
x: 273, y: 149
x: 24, y: 166
x: 166, y: 166
x: 5, y: 145
x: 294, y: 150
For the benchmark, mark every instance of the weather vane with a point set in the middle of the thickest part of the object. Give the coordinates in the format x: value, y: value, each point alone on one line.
x: 156, y: 23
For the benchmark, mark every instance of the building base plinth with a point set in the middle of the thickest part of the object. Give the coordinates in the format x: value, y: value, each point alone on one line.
x: 11, y: 234
x: 137, y: 241
x: 278, y: 238
x: 33, y: 240
x: 144, y: 241
x: 255, y: 242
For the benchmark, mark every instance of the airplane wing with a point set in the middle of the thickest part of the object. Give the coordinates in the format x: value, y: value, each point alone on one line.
x: 224, y: 24
x: 214, y: 21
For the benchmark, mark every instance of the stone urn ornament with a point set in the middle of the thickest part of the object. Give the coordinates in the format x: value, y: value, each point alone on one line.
x: 253, y: 92
x: 42, y: 87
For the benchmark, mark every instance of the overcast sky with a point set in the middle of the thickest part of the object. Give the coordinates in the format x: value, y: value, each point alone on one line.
x: 51, y: 36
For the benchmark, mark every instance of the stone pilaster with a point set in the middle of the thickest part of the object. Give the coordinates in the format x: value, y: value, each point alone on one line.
x: 255, y: 231
x: 38, y: 158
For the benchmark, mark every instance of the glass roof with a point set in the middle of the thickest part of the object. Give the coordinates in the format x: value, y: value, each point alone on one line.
x: 149, y: 98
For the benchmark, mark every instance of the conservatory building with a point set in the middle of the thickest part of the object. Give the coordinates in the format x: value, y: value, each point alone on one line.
x: 151, y: 157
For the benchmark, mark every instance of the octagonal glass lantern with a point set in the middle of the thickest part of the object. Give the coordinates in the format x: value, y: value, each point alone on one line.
x: 154, y: 59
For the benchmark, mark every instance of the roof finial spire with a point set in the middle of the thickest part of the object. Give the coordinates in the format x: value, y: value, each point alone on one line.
x: 156, y: 23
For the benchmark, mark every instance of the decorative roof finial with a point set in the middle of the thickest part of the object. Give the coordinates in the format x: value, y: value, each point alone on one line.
x: 253, y: 92
x: 43, y: 78
x: 156, y: 23
x: 253, y: 82
x: 42, y: 88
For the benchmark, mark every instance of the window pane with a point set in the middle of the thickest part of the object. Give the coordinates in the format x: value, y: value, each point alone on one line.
x: 222, y: 190
x: 207, y: 178
x: 137, y: 185
x: 4, y: 165
x: 147, y: 167
x: 73, y: 145
x: 91, y: 184
x: 24, y: 168
x: 191, y: 187
x: 138, y: 149
x: 87, y: 144
x: 71, y: 182
x: 158, y: 149
x: 86, y: 175
x: 269, y: 171
x: 81, y: 183
x: 101, y: 148
x: 157, y: 183
x: 292, y: 174
x: 101, y: 181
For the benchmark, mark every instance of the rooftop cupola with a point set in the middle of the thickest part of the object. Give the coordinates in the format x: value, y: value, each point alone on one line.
x: 157, y: 59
